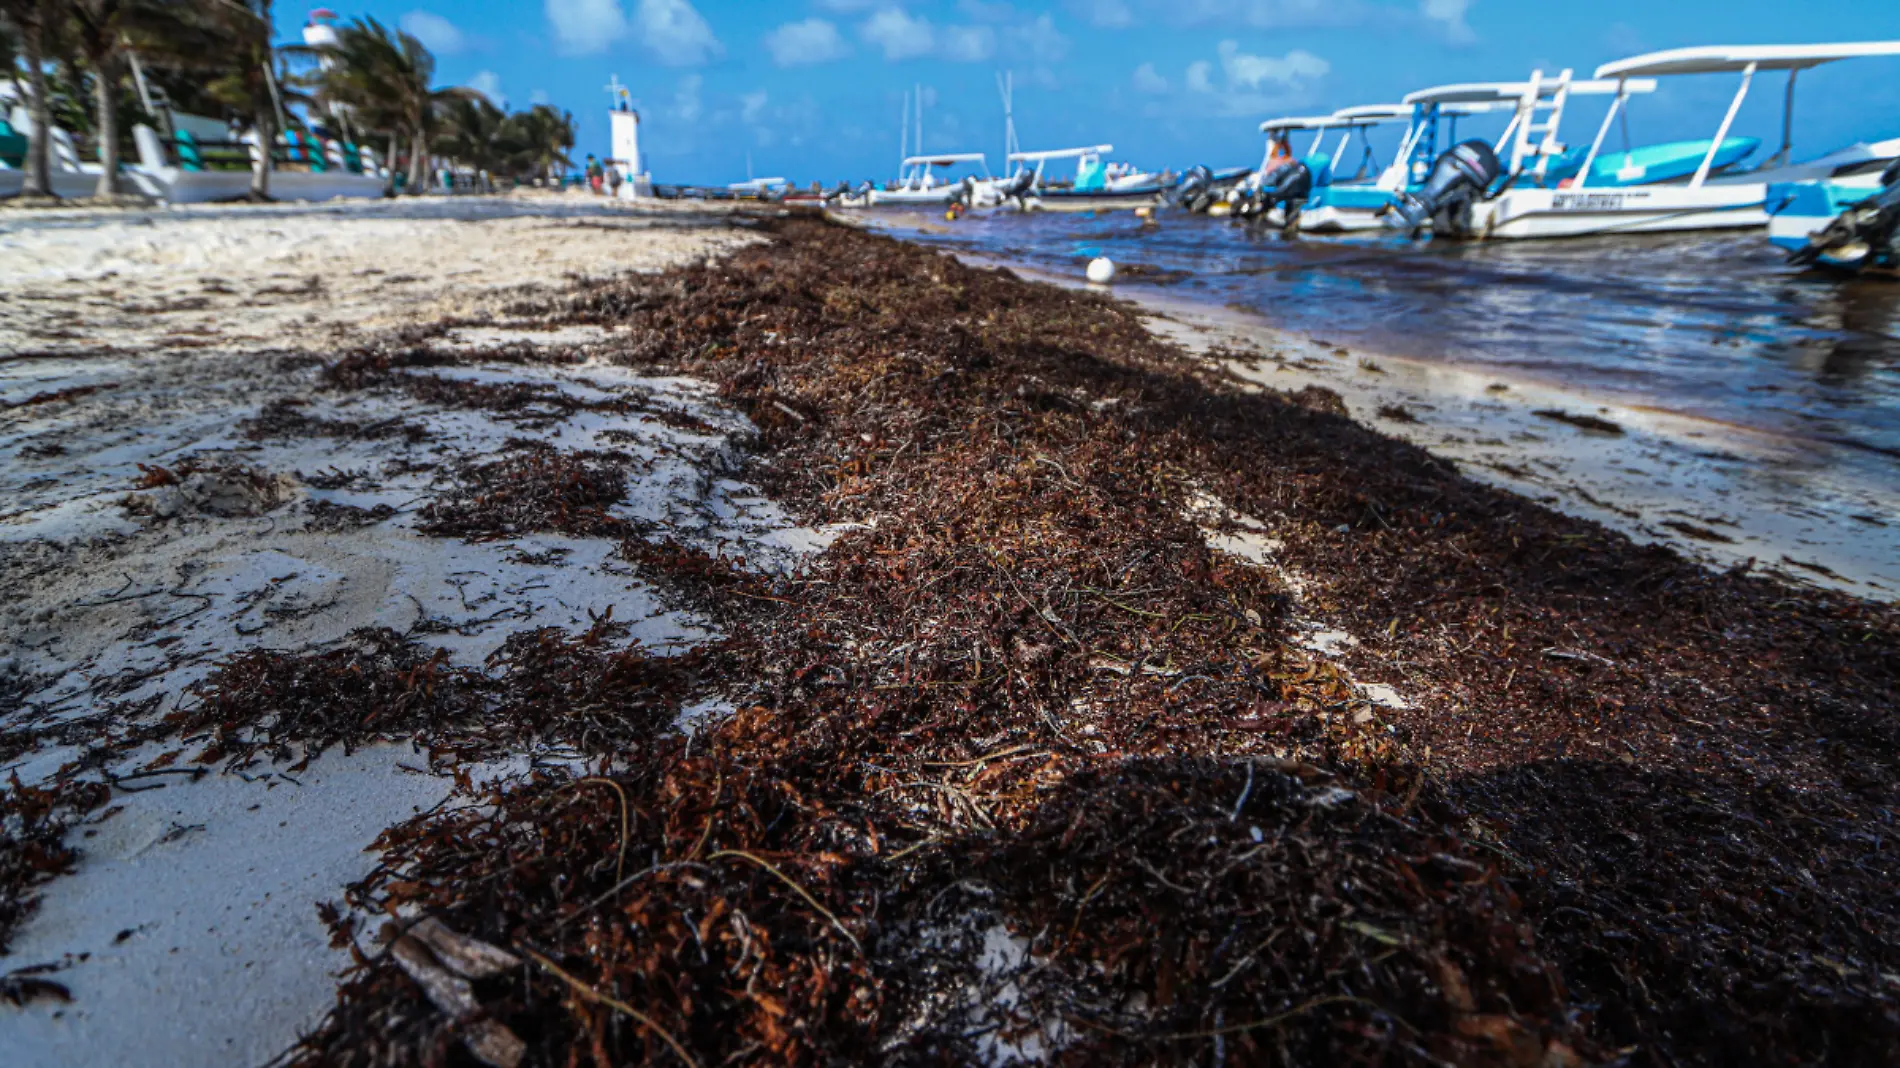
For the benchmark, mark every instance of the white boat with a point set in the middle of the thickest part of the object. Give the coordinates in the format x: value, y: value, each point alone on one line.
x: 1093, y: 189
x: 917, y: 182
x: 1343, y: 203
x: 1636, y: 201
x: 1244, y: 198
x: 1354, y: 204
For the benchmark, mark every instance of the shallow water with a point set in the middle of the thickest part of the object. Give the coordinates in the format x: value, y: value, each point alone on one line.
x: 1713, y: 326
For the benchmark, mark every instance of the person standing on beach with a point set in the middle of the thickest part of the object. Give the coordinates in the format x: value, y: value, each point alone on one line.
x: 613, y: 180
x: 594, y: 173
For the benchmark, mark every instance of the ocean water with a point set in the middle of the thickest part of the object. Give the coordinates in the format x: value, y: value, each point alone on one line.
x: 1713, y: 326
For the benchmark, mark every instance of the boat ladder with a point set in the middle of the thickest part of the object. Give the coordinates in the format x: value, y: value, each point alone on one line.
x: 1528, y: 125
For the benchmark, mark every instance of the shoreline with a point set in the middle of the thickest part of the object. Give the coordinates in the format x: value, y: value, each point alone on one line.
x: 964, y: 632
x: 1712, y: 490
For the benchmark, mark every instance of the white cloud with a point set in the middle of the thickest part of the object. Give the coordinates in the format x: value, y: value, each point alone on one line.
x: 487, y: 83
x: 686, y: 105
x: 1197, y: 76
x: 800, y: 43
x: 967, y: 44
x: 899, y: 34
x: 1104, y: 14
x: 436, y: 33
x: 1039, y: 40
x: 676, y: 33
x: 986, y: 11
x: 1257, y: 85
x: 583, y: 27
x: 1275, y: 14
x: 1450, y: 17
x: 1149, y: 80
x: 1244, y: 71
x: 540, y: 96
x: 751, y: 106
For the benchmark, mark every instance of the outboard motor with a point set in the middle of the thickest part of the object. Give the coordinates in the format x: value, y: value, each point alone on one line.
x: 1286, y: 186
x: 1866, y: 234
x: 1458, y: 180
x: 1018, y: 187
x: 1195, y: 192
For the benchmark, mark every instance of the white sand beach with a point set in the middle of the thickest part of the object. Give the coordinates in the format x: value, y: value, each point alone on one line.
x: 138, y: 342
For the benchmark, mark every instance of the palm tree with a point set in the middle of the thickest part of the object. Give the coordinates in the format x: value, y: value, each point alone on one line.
x: 249, y: 82
x: 101, y: 32
x: 386, y: 77
x: 472, y: 133
x: 539, y: 140
x: 31, y: 19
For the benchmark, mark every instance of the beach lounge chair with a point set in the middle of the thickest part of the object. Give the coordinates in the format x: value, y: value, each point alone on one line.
x: 189, y: 158
x: 303, y: 149
x: 12, y: 146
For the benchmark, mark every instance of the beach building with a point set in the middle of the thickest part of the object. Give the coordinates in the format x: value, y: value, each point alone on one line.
x: 625, y: 130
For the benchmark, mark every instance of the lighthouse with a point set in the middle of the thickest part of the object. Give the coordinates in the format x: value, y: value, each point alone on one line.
x: 625, y: 123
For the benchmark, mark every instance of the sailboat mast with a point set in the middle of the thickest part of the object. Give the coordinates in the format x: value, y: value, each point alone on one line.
x: 920, y: 118
x: 903, y: 139
x: 1006, y: 86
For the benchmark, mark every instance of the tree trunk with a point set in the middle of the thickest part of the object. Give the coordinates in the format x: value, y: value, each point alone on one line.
x: 266, y: 139
x: 105, y: 89
x: 418, y: 159
x: 389, y: 167
x: 38, y: 180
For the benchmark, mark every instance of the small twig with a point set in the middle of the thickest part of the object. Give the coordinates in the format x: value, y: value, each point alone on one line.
x: 912, y: 848
x: 622, y: 885
x: 719, y: 789
x: 787, y: 880
x: 620, y: 863
x: 1270, y: 1021
x: 599, y: 998
x: 1245, y: 792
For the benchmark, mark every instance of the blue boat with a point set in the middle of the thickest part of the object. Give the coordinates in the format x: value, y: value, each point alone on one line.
x: 1801, y: 207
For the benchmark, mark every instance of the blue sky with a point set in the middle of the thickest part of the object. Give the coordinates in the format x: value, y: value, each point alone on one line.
x: 813, y: 88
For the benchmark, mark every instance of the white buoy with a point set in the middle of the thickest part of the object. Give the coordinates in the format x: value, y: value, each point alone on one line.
x: 1101, y: 270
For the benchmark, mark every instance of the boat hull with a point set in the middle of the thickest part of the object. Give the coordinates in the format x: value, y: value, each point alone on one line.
x: 1344, y: 209
x: 1058, y: 200
x: 1541, y: 213
x: 1797, y: 209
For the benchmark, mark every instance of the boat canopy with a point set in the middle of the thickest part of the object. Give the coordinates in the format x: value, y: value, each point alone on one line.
x: 1375, y: 113
x: 945, y: 159
x: 1060, y: 153
x: 1734, y: 59
x: 1299, y: 122
x: 1512, y: 92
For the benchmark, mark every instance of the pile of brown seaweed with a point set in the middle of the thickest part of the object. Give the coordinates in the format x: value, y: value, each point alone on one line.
x: 1020, y: 768
x: 542, y: 685
x: 33, y: 847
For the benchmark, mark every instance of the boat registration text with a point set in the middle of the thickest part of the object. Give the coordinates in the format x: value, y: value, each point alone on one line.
x: 1589, y: 201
